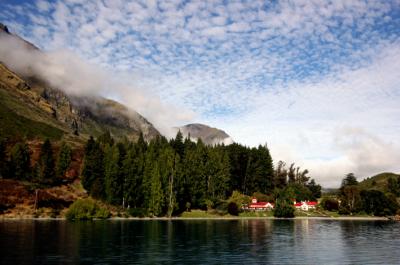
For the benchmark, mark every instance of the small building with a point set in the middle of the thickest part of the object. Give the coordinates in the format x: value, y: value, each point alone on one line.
x: 259, y: 206
x: 306, y: 205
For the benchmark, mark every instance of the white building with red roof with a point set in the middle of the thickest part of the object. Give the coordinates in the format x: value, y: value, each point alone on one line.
x: 306, y: 205
x: 259, y: 206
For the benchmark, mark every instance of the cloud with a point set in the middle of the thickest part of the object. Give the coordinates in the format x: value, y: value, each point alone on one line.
x: 64, y: 70
x: 290, y: 73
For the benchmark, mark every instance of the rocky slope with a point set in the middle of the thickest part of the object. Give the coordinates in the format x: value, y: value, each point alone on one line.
x: 30, y: 108
x: 207, y: 134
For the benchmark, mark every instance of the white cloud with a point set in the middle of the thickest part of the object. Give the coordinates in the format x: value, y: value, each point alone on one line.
x: 291, y: 73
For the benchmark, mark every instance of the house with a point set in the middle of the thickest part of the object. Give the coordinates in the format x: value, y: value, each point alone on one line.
x: 259, y: 206
x: 305, y: 205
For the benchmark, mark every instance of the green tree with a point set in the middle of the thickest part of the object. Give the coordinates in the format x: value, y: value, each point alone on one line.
x: 315, y: 189
x: 169, y: 163
x: 377, y: 203
x: 280, y: 175
x: 349, y: 180
x: 217, y: 174
x: 349, y: 194
x: 19, y: 166
x: 93, y: 170
x: 393, y: 185
x: 133, y: 171
x: 45, y: 167
x: 178, y: 144
x: 105, y: 139
x: 64, y: 160
x: 283, y: 206
x: 238, y: 157
x: 156, y: 193
x: 112, y: 175
x: 350, y: 199
x: 192, y: 183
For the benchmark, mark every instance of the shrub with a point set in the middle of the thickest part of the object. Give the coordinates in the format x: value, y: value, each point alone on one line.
x: 330, y: 204
x: 284, y: 206
x: 240, y: 199
x: 233, y: 209
x: 137, y: 212
x: 86, y: 209
x: 284, y: 209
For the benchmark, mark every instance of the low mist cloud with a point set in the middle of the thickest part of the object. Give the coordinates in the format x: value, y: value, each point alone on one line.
x: 64, y: 70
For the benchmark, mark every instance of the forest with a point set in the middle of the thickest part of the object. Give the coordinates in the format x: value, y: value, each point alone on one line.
x: 165, y: 177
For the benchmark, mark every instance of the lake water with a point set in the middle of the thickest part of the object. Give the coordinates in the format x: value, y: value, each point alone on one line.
x: 200, y: 242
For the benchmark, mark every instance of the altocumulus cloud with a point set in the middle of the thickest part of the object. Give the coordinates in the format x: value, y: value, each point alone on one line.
x: 317, y: 80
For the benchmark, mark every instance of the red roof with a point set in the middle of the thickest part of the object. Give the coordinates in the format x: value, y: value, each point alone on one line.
x: 299, y: 204
x: 260, y: 204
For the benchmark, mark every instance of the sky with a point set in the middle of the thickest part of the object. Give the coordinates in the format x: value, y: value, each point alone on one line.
x: 317, y: 81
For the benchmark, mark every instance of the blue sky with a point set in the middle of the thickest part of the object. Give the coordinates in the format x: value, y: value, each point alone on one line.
x: 317, y: 80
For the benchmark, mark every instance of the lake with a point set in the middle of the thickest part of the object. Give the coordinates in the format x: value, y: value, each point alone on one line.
x: 253, y: 241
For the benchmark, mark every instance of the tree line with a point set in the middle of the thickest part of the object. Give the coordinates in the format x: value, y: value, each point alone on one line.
x: 164, y: 177
x: 351, y: 198
x: 49, y: 169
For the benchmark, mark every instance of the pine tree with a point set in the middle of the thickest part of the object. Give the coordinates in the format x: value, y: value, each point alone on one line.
x: 217, y: 176
x: 93, y: 170
x: 19, y: 166
x: 193, y: 183
x: 64, y: 160
x: 112, y: 175
x: 178, y: 144
x: 168, y: 163
x: 132, y: 168
x: 156, y: 193
x: 105, y: 139
x: 45, y: 169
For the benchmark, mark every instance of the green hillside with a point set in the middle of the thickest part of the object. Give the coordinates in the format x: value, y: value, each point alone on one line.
x: 378, y: 182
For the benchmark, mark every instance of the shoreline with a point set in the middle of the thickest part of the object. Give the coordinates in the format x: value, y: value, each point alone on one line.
x: 341, y: 218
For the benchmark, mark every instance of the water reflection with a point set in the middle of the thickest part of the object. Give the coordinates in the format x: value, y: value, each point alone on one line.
x: 200, y: 241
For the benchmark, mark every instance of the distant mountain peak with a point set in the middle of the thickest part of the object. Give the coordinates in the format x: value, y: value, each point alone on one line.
x: 207, y: 134
x: 4, y: 28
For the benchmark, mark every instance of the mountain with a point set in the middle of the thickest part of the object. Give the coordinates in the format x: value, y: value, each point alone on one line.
x: 207, y: 134
x: 31, y: 108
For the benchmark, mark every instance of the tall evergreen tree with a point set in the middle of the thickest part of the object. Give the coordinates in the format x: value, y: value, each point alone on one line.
x: 19, y: 166
x: 178, y: 144
x: 112, y: 175
x: 64, y: 160
x: 238, y: 157
x: 168, y: 163
x: 45, y: 167
x: 93, y: 170
x: 133, y: 172
x: 156, y: 193
x: 217, y: 174
x: 280, y: 178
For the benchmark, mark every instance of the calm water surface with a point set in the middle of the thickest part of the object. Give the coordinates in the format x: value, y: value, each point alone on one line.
x: 200, y: 242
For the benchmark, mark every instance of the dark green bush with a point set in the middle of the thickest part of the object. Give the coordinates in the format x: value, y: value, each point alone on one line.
x: 233, y: 209
x: 284, y: 209
x: 86, y: 209
x: 137, y: 212
x: 330, y: 204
